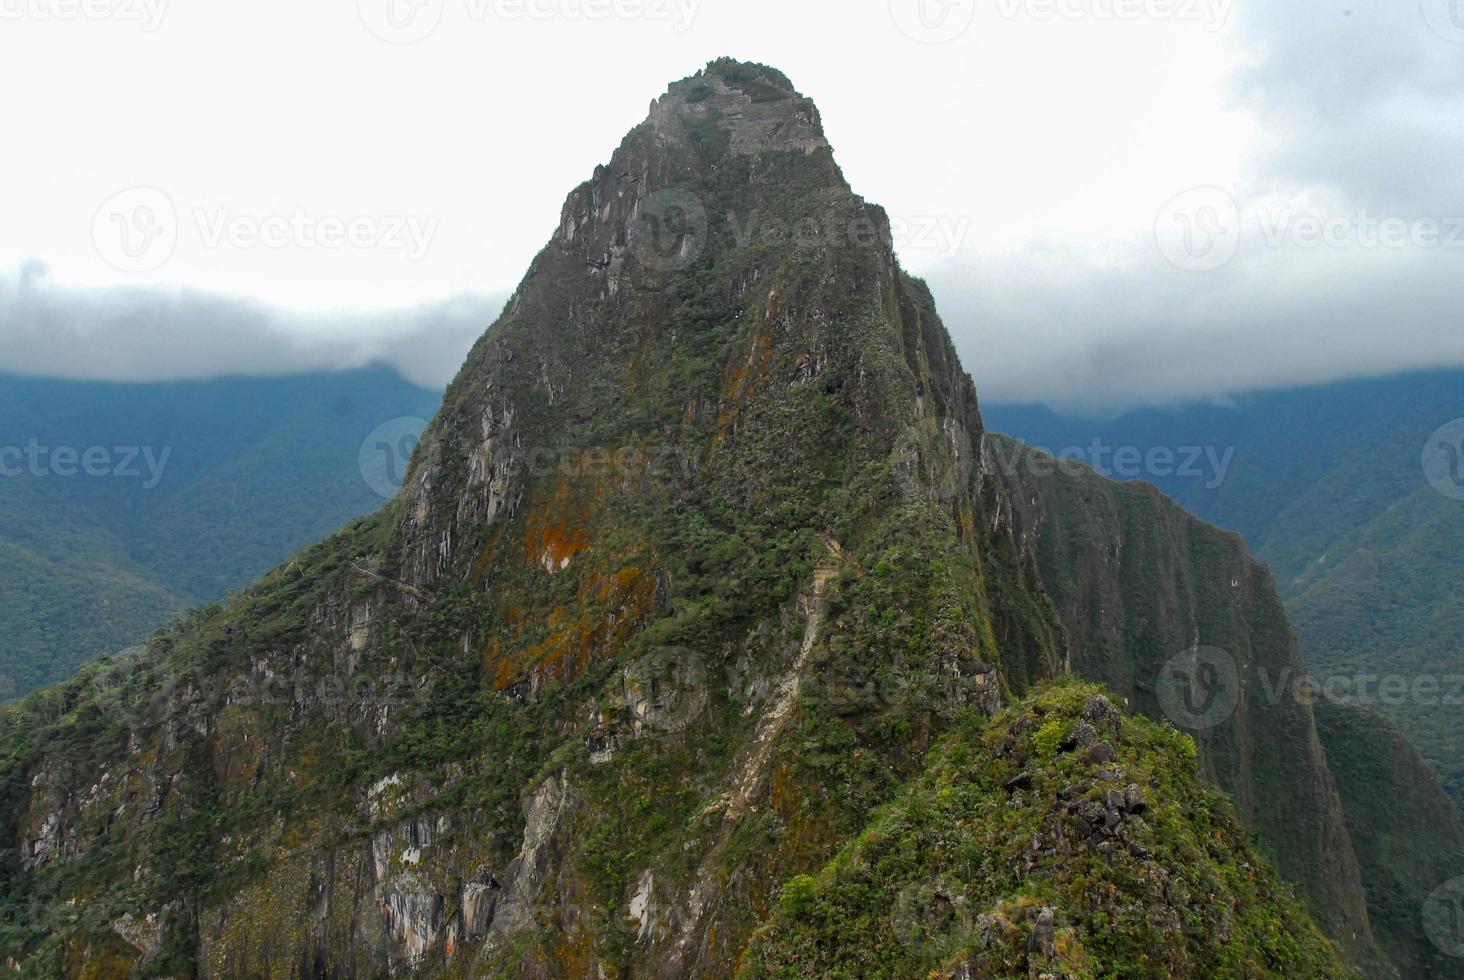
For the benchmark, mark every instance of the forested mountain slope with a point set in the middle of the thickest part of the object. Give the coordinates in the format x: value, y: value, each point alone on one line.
x: 121, y: 504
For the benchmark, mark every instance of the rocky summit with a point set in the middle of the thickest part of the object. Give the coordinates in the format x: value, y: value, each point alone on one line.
x: 705, y: 638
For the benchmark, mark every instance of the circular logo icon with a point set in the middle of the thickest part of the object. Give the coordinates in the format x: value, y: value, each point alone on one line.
x: 136, y: 230
x: 935, y: 458
x: 670, y: 230
x: 1199, y: 230
x: 933, y: 21
x: 400, y: 21
x: 1443, y: 460
x: 1200, y: 688
x: 1446, y: 18
x: 387, y: 452
x: 1443, y: 917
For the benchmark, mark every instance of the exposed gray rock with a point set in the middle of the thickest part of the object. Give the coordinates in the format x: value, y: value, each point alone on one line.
x: 1044, y: 935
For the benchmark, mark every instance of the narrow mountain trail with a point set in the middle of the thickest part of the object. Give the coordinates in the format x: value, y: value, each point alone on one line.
x: 750, y: 776
x: 775, y: 719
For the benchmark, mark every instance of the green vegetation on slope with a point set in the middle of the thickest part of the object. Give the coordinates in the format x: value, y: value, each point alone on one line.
x: 200, y: 487
x: 1137, y: 581
x: 1061, y: 839
x: 1383, y: 620
x: 1406, y: 831
x: 625, y: 684
x: 1398, y: 821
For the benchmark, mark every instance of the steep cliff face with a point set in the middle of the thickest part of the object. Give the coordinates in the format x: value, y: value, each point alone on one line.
x: 689, y: 573
x: 1140, y: 583
x: 694, y: 569
x: 1405, y: 829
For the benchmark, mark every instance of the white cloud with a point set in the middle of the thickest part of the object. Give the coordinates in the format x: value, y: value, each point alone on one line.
x: 1361, y: 109
x: 1054, y: 133
x: 150, y: 333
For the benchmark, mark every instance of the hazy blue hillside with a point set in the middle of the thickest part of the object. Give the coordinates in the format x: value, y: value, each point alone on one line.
x: 1327, y: 485
x: 120, y: 504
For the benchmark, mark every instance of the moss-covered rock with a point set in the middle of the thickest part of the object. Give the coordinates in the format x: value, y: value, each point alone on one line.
x: 1063, y: 839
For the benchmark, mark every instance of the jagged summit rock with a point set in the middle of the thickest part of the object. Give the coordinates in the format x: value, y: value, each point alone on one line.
x: 759, y: 107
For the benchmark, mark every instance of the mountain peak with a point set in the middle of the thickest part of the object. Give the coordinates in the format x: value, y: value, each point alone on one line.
x: 696, y: 565
x: 741, y: 73
x: 757, y: 107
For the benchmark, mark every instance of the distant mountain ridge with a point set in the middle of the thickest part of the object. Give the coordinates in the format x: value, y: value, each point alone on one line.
x: 121, y: 504
x: 1348, y: 809
x: 1327, y: 484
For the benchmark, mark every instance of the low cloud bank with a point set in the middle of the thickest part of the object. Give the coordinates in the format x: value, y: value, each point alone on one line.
x: 116, y: 333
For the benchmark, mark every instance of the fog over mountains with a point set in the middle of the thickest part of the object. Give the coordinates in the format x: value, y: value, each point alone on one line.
x: 1146, y: 246
x: 1013, y: 319
x: 150, y: 333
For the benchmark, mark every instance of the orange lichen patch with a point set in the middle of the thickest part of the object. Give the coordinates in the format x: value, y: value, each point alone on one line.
x: 554, y: 544
x: 556, y: 530
x: 741, y: 376
x: 608, y: 612
x: 573, y: 953
x: 744, y: 377
x: 626, y: 587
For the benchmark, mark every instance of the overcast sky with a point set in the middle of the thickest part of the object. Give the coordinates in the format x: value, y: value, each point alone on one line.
x: 1115, y: 201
